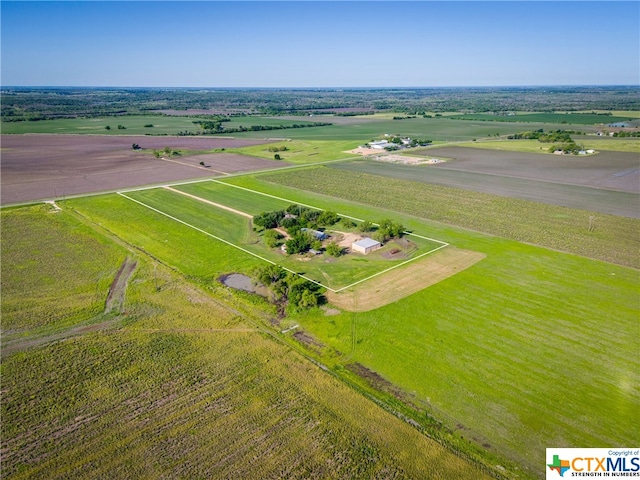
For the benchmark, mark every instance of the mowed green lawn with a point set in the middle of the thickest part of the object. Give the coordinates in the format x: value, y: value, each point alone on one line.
x: 236, y: 229
x: 240, y: 199
x: 304, y: 151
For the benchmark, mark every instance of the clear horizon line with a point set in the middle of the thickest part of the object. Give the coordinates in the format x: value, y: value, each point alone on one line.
x: 359, y: 87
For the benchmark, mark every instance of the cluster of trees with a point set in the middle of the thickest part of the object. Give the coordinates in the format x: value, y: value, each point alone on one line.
x: 569, y: 148
x: 562, y: 136
x: 296, y: 220
x: 166, y: 152
x: 287, y: 287
x: 352, y: 114
x: 388, y: 229
x: 213, y: 125
x: 626, y: 134
x: 296, y: 217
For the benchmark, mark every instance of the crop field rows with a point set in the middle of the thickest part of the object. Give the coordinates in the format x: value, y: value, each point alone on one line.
x: 223, y: 212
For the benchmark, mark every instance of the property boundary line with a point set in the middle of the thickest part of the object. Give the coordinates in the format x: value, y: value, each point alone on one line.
x: 442, y: 244
x: 176, y: 219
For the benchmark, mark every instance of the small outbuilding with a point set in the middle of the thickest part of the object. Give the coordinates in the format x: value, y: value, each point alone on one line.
x: 316, y: 233
x: 366, y: 245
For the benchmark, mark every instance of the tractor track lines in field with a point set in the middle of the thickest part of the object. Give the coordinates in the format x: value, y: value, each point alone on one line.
x: 209, y: 202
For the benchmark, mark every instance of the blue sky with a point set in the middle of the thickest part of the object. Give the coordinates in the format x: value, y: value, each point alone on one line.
x: 319, y: 44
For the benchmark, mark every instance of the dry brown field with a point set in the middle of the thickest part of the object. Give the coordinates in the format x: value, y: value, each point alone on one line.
x: 36, y: 167
x: 402, y: 282
x: 608, y: 170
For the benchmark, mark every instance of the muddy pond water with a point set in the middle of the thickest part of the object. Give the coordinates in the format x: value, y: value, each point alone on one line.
x: 245, y: 283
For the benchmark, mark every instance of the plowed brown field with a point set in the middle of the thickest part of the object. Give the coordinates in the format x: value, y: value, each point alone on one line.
x: 36, y: 167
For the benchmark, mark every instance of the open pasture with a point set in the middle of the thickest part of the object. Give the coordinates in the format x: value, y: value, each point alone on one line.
x: 137, y: 125
x: 187, y: 386
x: 438, y: 129
x: 598, y: 143
x: 55, y: 272
x: 612, y: 238
x: 486, y: 349
x: 483, y: 350
x: 303, y: 151
x: 221, y: 211
x: 609, y: 170
x: 38, y: 167
x: 562, y: 118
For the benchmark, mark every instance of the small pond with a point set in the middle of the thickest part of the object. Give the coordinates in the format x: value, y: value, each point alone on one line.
x: 245, y: 283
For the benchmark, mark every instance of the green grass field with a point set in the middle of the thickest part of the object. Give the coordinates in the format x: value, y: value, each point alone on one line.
x: 55, y: 272
x: 304, y: 151
x: 438, y: 129
x: 187, y: 386
x: 534, y: 146
x: 516, y: 351
x: 615, y: 239
x: 570, y: 118
x: 138, y: 125
x: 527, y: 349
x: 232, y: 227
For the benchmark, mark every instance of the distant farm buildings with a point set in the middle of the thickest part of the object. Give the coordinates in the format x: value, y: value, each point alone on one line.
x: 366, y: 245
x: 380, y: 145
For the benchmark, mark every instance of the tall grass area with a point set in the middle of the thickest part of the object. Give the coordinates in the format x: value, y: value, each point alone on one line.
x: 190, y: 387
x: 614, y: 239
x: 55, y: 272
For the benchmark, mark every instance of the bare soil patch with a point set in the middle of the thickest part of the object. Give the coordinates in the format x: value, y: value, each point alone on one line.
x: 230, y: 162
x: 345, y: 239
x: 365, y: 151
x: 307, y: 339
x: 611, y: 170
x: 115, y: 298
x: 21, y: 344
x: 376, y: 381
x: 38, y: 167
x: 404, y: 281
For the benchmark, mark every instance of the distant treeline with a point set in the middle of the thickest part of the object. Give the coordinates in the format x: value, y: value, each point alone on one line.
x: 30, y: 103
x: 212, y: 128
x: 549, y: 137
